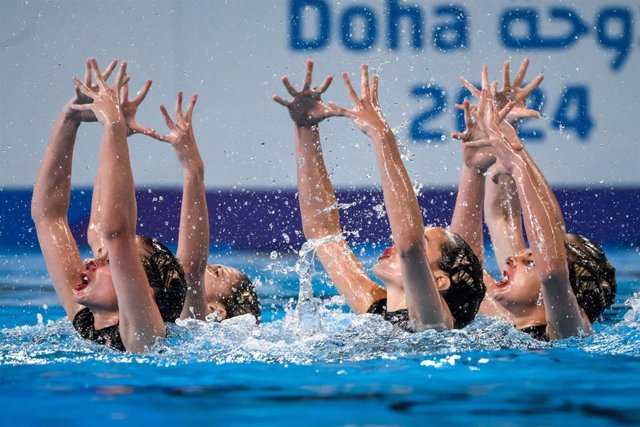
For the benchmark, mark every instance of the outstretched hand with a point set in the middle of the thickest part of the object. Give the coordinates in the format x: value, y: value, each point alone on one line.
x: 499, y: 138
x: 181, y: 135
x: 480, y: 155
x: 306, y: 108
x: 366, y: 113
x: 130, y: 108
x: 101, y: 100
x: 510, y: 93
x: 80, y: 98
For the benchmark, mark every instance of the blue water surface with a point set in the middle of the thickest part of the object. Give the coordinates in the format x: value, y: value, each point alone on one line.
x: 345, y: 370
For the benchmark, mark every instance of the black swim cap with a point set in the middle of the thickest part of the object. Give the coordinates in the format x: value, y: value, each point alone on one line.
x: 467, y: 289
x: 592, y: 277
x: 166, y: 277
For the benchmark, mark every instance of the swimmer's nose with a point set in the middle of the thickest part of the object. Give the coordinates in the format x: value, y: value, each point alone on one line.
x: 510, y: 261
x: 523, y: 258
x: 215, y: 269
x: 90, y: 264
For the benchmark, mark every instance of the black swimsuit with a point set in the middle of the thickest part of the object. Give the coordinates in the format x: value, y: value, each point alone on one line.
x: 401, y: 317
x: 398, y: 317
x: 109, y: 336
x: 538, y: 332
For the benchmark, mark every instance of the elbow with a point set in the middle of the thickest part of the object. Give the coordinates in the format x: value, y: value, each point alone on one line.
x: 37, y: 214
x: 40, y: 212
x: 194, y: 269
x: 554, y: 276
x: 117, y: 222
x: 310, y: 230
x: 41, y: 216
x: 118, y: 235
x: 411, y: 247
x: 316, y: 228
x: 117, y: 230
x: 315, y: 232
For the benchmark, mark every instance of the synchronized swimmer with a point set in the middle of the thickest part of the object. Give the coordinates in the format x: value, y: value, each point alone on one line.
x: 433, y: 277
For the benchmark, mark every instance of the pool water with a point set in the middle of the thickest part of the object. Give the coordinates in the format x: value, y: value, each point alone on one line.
x: 338, y: 369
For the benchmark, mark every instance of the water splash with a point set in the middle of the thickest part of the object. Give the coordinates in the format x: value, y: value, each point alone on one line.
x: 309, y: 322
x: 632, y: 317
x: 344, y: 337
x: 338, y: 206
x: 325, y: 335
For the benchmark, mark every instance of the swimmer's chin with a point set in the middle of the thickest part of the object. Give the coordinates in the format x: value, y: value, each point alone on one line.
x: 378, y: 271
x: 388, y: 277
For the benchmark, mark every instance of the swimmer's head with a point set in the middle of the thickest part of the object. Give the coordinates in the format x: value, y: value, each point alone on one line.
x: 592, y: 277
x: 455, y: 268
x: 165, y: 276
x: 467, y: 289
x: 230, y: 293
x: 163, y: 271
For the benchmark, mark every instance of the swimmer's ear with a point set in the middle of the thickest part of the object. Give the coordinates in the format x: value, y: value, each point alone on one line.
x: 442, y: 281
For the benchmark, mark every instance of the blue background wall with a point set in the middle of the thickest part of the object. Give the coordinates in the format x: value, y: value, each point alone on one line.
x: 267, y: 220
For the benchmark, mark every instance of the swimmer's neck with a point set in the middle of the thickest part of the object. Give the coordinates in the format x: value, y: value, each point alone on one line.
x: 536, y: 317
x: 520, y: 318
x: 395, y: 298
x: 491, y: 308
x: 104, y: 318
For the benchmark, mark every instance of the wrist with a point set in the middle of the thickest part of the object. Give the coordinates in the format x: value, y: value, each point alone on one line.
x: 382, y: 133
x: 116, y: 126
x: 307, y: 128
x: 473, y: 171
x: 66, y: 125
x: 193, y: 169
x: 70, y: 122
x: 70, y: 116
x: 305, y: 125
x: 307, y: 133
x: 517, y: 165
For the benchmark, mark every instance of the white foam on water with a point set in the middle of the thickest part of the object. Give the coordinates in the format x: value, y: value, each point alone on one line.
x: 311, y: 331
x: 343, y: 337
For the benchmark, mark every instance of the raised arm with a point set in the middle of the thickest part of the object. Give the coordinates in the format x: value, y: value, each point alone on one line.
x: 515, y: 93
x: 49, y: 210
x: 423, y: 300
x: 129, y: 110
x: 545, y: 234
x: 503, y: 216
x: 50, y: 202
x: 501, y: 203
x: 503, y: 210
x: 94, y: 237
x: 193, y: 239
x: 467, y: 214
x: 318, y: 205
x: 140, y: 321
